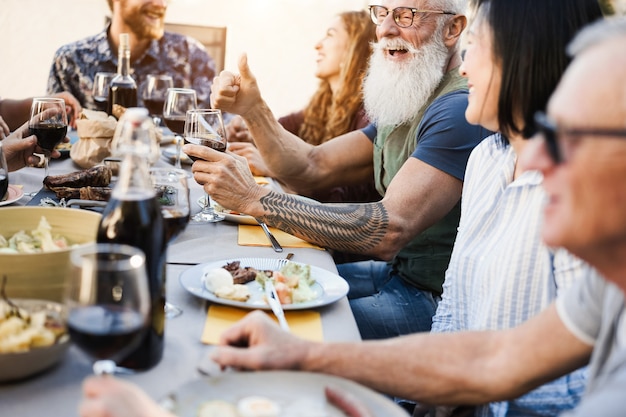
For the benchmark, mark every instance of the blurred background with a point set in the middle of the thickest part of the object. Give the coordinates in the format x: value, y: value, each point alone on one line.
x: 279, y: 37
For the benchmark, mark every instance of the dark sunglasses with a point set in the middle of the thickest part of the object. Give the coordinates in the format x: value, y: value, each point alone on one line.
x: 555, y: 135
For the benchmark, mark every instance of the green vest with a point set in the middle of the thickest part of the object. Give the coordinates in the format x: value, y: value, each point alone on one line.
x: 423, y: 261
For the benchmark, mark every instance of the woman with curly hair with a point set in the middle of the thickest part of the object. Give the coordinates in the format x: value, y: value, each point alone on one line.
x: 335, y: 108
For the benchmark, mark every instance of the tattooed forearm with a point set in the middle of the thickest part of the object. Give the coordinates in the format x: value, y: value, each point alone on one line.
x: 355, y: 228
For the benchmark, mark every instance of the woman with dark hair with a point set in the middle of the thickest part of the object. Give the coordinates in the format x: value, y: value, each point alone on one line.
x: 337, y: 105
x: 500, y: 273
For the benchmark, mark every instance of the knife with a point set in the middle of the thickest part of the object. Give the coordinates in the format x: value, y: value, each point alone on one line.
x: 270, y: 236
x: 274, y: 302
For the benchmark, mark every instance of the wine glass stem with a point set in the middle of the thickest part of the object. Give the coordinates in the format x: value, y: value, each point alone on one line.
x: 179, y: 141
x: 46, y: 158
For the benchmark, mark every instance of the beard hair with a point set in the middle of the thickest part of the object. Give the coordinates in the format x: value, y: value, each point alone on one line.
x: 133, y: 17
x: 394, y: 93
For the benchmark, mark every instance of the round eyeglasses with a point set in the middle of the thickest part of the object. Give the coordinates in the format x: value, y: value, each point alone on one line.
x: 403, y: 16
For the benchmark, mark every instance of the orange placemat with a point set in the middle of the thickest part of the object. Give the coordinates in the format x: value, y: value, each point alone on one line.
x: 306, y: 324
x: 253, y: 236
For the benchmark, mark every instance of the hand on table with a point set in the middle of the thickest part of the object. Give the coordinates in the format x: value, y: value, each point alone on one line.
x: 256, y: 342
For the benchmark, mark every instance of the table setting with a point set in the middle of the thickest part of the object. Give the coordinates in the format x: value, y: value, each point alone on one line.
x: 178, y: 380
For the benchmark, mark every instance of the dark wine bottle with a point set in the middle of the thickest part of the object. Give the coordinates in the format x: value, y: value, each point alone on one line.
x: 123, y: 88
x: 133, y: 216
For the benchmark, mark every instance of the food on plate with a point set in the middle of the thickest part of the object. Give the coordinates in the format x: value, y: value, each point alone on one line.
x: 241, y: 275
x: 217, y: 408
x: 84, y: 193
x: 220, y: 282
x: 39, y: 240
x: 293, y: 283
x: 21, y: 330
x: 256, y: 406
x: 98, y: 176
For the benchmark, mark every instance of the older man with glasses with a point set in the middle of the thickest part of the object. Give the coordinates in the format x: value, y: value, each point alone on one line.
x: 416, y: 148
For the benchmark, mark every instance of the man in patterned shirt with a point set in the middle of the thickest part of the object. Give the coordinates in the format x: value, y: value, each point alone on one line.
x: 153, y: 51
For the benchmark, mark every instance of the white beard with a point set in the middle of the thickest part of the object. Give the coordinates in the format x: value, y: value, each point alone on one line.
x: 393, y: 93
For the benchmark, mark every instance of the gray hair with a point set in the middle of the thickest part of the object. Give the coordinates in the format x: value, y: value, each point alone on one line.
x: 456, y: 6
x: 598, y: 32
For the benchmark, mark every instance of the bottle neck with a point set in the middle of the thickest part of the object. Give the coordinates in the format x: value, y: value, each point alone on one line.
x: 123, y: 64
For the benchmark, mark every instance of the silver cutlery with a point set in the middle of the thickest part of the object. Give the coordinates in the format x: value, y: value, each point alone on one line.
x: 274, y: 302
x: 272, y: 239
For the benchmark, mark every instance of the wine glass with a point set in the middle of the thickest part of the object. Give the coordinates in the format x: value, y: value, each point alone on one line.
x: 108, y: 302
x: 177, y: 102
x: 100, y: 89
x: 172, y: 192
x: 48, y: 121
x: 154, y: 95
x: 4, y: 174
x: 206, y: 127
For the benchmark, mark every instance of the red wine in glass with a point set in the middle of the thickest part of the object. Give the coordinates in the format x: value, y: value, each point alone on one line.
x: 4, y: 186
x: 154, y: 106
x: 106, y: 331
x: 211, y: 141
x: 176, y: 124
x: 48, y: 135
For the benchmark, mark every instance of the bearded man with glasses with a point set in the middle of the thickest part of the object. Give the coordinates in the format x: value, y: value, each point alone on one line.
x: 416, y: 148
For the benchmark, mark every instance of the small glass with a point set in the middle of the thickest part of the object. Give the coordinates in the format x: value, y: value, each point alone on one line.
x: 48, y: 121
x: 108, y: 302
x: 177, y: 102
x: 100, y: 89
x: 154, y: 95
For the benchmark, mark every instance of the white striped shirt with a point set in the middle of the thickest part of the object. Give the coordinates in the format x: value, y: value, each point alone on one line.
x: 501, y: 273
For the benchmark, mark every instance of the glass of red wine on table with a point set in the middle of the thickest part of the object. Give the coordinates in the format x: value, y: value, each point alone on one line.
x: 154, y: 94
x: 177, y: 102
x: 108, y: 303
x: 206, y: 127
x: 48, y: 121
x: 100, y: 89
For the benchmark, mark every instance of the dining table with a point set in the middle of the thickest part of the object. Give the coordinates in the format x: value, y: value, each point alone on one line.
x: 57, y: 391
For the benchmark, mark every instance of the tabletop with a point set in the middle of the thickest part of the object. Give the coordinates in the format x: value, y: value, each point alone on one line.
x: 58, y: 391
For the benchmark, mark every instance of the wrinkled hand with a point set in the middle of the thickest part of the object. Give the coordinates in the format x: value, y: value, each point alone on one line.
x: 19, y: 152
x: 237, y: 131
x: 72, y: 107
x: 253, y: 156
x: 236, y: 93
x: 256, y: 342
x: 226, y: 177
x: 107, y: 396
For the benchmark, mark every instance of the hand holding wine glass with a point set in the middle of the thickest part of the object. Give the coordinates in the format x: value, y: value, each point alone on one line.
x: 154, y: 95
x: 48, y: 121
x: 108, y: 302
x: 206, y: 127
x: 177, y: 102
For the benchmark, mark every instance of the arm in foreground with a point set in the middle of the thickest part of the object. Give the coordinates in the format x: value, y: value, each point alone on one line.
x: 111, y: 397
x: 455, y: 368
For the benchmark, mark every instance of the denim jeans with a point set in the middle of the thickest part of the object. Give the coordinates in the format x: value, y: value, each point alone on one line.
x: 383, y: 305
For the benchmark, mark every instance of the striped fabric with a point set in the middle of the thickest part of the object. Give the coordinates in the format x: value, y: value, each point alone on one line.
x: 501, y: 273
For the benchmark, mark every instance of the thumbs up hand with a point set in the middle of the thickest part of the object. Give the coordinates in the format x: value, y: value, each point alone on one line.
x: 236, y: 93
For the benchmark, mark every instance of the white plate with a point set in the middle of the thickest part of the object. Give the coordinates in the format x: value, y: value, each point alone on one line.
x: 13, y: 194
x: 329, y: 287
x: 297, y: 393
x: 231, y: 217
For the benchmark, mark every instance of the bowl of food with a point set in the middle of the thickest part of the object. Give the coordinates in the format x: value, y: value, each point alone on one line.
x: 33, y: 337
x: 35, y: 246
